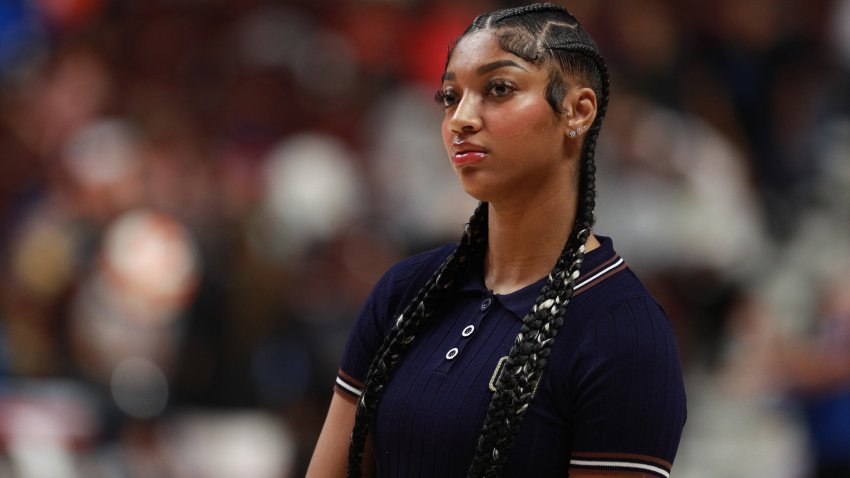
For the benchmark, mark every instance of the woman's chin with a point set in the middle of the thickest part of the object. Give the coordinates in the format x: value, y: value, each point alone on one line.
x: 475, y: 184
x: 477, y: 192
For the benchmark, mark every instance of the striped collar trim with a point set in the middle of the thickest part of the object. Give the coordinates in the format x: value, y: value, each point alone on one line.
x: 604, y: 271
x: 521, y: 301
x: 616, y: 262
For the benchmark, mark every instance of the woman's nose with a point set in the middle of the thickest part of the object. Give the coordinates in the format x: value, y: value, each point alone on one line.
x: 465, y: 117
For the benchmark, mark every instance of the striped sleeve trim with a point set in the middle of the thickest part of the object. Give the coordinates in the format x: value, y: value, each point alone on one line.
x: 609, y: 462
x: 348, y: 387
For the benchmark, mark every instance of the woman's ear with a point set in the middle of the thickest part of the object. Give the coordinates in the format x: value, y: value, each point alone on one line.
x: 580, y: 109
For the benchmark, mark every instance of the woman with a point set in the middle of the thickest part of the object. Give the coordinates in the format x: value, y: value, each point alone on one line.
x: 453, y: 368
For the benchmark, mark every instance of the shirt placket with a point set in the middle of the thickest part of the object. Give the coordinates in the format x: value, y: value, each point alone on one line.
x: 461, y: 337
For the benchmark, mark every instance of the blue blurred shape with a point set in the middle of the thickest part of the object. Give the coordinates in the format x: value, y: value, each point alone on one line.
x: 22, y: 38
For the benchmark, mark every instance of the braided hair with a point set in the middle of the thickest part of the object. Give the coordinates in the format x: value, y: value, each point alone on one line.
x: 538, y: 33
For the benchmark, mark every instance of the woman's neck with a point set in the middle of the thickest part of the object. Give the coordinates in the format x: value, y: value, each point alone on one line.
x: 525, y: 240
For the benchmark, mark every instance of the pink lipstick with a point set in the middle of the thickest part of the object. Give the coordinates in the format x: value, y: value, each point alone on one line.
x: 464, y: 153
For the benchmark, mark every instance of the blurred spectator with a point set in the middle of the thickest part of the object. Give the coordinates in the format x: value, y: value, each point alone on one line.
x: 758, y: 79
x: 805, y: 355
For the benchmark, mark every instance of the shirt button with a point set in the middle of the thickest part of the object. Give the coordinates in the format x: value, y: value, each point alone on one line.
x: 451, y: 353
x: 468, y: 330
x: 486, y: 304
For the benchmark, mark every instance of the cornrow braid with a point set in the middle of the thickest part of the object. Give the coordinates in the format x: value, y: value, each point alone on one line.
x: 407, y: 326
x: 587, y: 181
x: 487, y: 20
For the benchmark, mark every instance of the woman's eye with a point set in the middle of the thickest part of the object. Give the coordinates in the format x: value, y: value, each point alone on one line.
x: 500, y: 88
x: 445, y: 98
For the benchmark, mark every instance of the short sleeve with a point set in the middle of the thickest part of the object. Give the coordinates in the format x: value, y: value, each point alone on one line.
x: 387, y: 299
x: 364, y: 340
x: 628, y: 402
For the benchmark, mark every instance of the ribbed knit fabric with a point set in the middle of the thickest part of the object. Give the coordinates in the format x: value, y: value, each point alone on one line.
x: 611, y: 398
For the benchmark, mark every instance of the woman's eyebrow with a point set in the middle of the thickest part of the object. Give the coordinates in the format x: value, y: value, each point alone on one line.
x: 496, y: 65
x: 448, y: 76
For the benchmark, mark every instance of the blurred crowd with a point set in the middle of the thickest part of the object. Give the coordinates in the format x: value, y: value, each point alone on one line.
x: 197, y: 195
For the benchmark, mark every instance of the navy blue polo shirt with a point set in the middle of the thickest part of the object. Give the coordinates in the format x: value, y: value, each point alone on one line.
x: 611, y: 398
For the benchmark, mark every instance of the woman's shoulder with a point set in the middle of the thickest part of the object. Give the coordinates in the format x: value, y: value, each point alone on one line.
x: 620, y: 305
x: 430, y: 259
x: 407, y: 276
x: 393, y: 291
x: 611, y: 297
x: 607, y: 280
x: 410, y: 268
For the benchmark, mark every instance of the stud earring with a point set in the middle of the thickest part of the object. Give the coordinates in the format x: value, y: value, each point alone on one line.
x: 573, y: 133
x: 580, y: 130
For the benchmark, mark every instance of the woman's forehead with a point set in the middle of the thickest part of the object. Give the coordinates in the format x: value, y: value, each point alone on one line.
x: 479, y: 48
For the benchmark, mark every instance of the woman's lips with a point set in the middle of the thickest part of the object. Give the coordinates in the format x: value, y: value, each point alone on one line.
x: 467, y: 153
x: 468, y: 157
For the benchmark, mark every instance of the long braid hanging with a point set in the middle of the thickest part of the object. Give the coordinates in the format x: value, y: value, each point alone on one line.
x: 407, y: 325
x: 528, y: 356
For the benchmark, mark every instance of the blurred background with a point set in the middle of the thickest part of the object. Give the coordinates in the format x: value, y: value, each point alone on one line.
x: 197, y: 195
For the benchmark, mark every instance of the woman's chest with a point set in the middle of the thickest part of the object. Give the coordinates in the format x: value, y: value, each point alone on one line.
x: 432, y: 409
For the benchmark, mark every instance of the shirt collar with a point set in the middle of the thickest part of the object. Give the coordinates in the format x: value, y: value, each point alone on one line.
x: 520, y: 302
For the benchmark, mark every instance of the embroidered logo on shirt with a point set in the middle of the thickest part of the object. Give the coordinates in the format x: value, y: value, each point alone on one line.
x: 499, y: 366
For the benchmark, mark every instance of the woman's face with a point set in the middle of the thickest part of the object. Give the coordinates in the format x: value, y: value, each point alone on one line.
x: 503, y: 138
